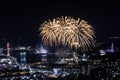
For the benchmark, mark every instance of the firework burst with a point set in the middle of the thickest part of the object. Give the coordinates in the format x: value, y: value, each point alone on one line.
x: 68, y: 32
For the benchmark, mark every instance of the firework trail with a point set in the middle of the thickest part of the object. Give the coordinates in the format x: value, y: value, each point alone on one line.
x: 68, y: 32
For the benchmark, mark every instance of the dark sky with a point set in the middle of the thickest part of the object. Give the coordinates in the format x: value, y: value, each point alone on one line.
x: 22, y: 18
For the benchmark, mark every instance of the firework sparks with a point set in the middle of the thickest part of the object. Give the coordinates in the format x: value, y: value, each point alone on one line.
x: 67, y: 31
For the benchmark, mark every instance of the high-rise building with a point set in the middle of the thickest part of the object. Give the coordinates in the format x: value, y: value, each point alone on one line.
x: 8, y: 49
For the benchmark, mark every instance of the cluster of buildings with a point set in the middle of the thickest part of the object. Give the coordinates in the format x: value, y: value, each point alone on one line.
x: 41, y: 53
x: 22, y: 57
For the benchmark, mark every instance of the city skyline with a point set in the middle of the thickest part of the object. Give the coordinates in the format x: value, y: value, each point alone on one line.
x: 23, y: 19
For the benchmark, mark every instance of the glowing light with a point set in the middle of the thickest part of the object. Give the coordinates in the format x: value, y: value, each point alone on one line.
x: 67, y: 31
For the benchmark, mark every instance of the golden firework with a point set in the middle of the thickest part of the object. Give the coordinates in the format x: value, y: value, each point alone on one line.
x: 67, y: 31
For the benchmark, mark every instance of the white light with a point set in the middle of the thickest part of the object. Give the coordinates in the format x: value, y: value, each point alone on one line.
x: 42, y: 49
x: 102, y: 52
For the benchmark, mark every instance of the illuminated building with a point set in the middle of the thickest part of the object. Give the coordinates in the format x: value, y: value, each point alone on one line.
x: 43, y: 53
x: 8, y: 49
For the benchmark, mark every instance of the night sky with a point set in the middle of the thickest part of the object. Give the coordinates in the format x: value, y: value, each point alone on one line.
x: 21, y: 19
